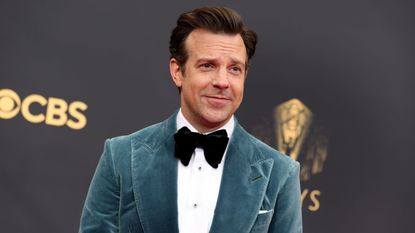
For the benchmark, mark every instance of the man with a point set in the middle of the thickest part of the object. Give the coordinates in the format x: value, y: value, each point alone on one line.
x: 171, y: 177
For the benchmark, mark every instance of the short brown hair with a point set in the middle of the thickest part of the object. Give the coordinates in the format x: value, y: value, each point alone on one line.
x: 214, y: 19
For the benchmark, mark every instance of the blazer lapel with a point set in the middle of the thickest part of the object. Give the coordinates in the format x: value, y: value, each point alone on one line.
x: 154, y: 173
x: 244, y: 182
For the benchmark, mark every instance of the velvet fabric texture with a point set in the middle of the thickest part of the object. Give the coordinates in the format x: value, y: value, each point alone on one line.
x: 134, y: 188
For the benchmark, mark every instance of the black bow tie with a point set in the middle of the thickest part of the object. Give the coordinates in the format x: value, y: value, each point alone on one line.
x: 213, y: 145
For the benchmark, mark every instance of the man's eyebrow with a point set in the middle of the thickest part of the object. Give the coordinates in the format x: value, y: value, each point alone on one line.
x: 214, y: 60
x: 201, y: 60
x: 238, y: 62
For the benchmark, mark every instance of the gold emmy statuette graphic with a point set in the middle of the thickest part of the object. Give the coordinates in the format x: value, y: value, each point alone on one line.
x: 293, y: 120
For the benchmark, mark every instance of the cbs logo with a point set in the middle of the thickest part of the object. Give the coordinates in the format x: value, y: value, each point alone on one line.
x: 57, y: 112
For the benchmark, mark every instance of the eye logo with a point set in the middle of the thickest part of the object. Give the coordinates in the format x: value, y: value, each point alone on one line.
x: 55, y: 111
x: 9, y: 104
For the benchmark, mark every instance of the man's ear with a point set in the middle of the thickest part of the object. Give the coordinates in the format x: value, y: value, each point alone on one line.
x: 176, y: 72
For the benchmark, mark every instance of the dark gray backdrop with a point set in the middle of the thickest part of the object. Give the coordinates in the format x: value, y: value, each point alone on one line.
x: 351, y: 62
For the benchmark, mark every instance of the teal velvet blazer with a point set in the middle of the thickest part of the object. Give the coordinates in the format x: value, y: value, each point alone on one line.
x: 134, y: 188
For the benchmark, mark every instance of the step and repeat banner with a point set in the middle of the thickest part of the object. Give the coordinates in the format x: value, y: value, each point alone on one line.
x: 332, y: 85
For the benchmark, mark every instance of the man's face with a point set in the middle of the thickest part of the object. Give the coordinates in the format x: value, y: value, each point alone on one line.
x: 212, y: 80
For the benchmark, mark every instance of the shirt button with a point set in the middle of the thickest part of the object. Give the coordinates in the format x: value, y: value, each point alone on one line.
x: 200, y: 168
x: 195, y: 205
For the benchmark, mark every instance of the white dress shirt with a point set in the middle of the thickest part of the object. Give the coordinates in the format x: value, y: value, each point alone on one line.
x: 198, y: 186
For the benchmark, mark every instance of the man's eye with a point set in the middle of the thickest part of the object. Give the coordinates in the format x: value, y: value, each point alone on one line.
x: 206, y: 66
x: 235, y: 69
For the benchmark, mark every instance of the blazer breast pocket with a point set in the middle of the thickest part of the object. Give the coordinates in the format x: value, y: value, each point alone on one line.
x: 262, y: 221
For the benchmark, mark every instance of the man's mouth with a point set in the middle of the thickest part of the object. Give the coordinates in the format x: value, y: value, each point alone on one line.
x: 222, y: 97
x: 217, y: 100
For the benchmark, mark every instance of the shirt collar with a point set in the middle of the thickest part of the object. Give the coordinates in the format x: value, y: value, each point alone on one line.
x: 181, y: 121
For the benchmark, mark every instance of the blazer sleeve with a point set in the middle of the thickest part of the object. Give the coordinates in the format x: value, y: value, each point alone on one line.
x: 100, y: 212
x: 287, y: 216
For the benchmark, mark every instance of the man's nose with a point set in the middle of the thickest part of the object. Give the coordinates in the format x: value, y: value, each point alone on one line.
x: 221, y: 79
